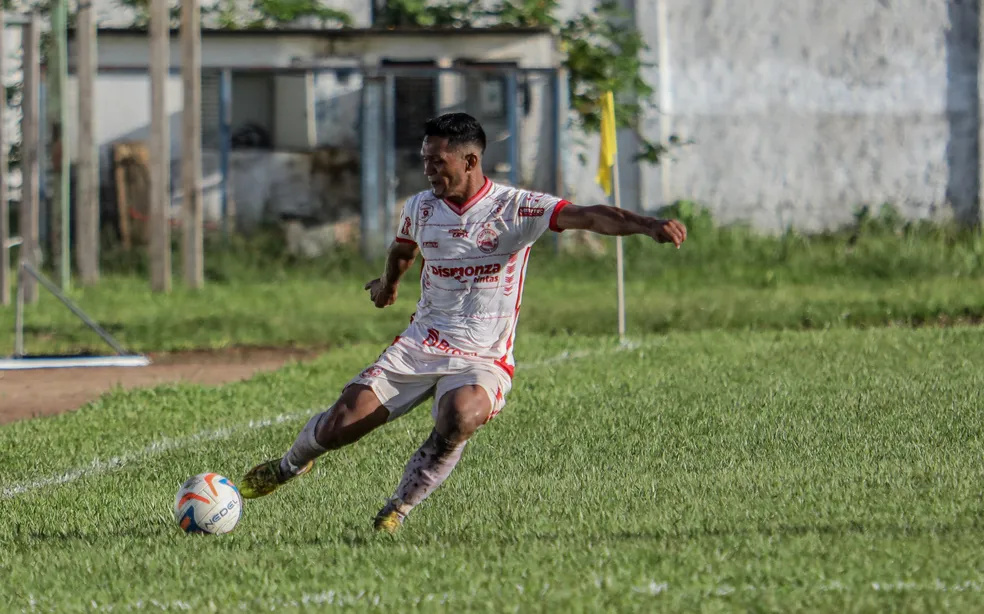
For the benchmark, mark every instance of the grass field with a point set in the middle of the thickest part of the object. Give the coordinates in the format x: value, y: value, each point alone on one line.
x: 723, y: 278
x: 832, y: 471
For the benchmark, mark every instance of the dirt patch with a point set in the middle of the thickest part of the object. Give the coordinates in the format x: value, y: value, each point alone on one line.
x: 42, y: 392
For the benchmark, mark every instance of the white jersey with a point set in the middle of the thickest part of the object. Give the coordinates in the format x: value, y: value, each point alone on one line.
x: 474, y: 268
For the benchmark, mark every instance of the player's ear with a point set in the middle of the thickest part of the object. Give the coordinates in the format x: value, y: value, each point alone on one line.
x: 471, y: 160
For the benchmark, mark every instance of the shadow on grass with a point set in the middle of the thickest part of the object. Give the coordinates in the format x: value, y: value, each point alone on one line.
x: 154, y: 530
x: 364, y: 536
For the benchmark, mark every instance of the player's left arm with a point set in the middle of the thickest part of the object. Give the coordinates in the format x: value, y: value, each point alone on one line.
x: 606, y: 220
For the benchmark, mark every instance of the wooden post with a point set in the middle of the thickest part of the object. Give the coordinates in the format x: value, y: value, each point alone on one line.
x: 87, y: 201
x: 980, y: 120
x: 225, y: 130
x: 30, y: 154
x: 160, y: 149
x: 191, y: 144
x: 371, y: 234
x: 4, y: 212
x: 60, y: 211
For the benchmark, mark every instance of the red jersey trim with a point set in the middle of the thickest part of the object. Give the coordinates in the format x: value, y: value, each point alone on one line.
x: 482, y: 193
x: 556, y: 212
x: 505, y: 366
x: 519, y: 298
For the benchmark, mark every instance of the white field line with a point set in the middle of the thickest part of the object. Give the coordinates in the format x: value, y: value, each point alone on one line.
x: 101, y: 466
x: 167, y: 444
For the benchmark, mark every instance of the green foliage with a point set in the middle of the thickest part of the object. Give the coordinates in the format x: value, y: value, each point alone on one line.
x: 260, y: 14
x: 273, y: 13
x: 421, y: 13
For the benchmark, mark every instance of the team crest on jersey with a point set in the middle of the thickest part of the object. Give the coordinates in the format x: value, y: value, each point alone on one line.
x: 487, y: 240
x: 426, y: 211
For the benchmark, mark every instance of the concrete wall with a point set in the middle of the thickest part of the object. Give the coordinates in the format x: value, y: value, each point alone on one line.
x: 245, y: 50
x: 801, y: 111
x: 337, y: 98
x: 804, y: 111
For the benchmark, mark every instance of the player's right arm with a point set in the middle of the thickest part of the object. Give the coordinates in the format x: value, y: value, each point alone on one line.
x: 399, y: 258
x: 402, y: 252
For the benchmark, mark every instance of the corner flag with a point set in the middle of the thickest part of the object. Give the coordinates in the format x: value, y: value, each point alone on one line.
x: 608, y: 178
x: 609, y: 146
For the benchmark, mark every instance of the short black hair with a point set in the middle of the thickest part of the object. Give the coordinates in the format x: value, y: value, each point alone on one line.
x: 457, y: 128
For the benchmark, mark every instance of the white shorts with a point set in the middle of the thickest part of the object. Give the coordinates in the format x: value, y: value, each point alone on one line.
x: 403, y: 377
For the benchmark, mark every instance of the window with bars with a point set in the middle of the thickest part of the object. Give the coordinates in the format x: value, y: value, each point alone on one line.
x: 416, y: 101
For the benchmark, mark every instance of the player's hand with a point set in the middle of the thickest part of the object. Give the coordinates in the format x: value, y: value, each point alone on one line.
x: 381, y: 293
x: 669, y: 231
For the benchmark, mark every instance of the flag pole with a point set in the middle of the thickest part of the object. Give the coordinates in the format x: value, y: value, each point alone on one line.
x: 608, y: 178
x: 619, y: 262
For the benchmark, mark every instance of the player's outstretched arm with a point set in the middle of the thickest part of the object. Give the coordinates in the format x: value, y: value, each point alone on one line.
x: 606, y: 220
x: 399, y: 258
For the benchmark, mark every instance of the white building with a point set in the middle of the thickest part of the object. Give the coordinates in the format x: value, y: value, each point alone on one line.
x: 296, y: 104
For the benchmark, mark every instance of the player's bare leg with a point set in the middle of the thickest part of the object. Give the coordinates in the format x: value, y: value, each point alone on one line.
x: 460, y: 413
x: 356, y: 413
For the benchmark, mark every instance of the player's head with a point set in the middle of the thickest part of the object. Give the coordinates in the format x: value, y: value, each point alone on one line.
x: 452, y: 153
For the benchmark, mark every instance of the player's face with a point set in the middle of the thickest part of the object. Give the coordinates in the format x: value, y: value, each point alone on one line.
x: 445, y: 168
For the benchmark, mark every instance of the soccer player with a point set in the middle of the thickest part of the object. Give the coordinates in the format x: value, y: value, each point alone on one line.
x: 475, y: 237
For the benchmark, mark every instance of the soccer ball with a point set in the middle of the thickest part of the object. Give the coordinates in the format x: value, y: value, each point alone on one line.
x: 208, y: 503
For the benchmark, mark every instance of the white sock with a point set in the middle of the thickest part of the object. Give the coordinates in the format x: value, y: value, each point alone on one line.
x: 305, y: 449
x: 427, y: 469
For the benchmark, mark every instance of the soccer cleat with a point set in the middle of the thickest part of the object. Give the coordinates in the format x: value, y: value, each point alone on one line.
x: 266, y: 477
x: 390, y: 518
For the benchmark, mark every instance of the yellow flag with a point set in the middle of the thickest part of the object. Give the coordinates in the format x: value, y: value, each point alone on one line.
x: 608, y: 143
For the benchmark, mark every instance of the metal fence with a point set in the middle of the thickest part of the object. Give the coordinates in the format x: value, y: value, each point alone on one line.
x: 327, y: 153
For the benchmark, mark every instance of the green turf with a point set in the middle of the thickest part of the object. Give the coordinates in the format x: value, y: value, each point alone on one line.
x: 831, y: 471
x: 722, y: 278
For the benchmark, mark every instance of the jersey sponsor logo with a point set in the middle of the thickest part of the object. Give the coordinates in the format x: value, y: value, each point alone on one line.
x: 531, y: 211
x: 482, y: 273
x: 458, y: 233
x: 406, y: 227
x: 435, y: 341
x: 487, y: 240
x: 430, y: 244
